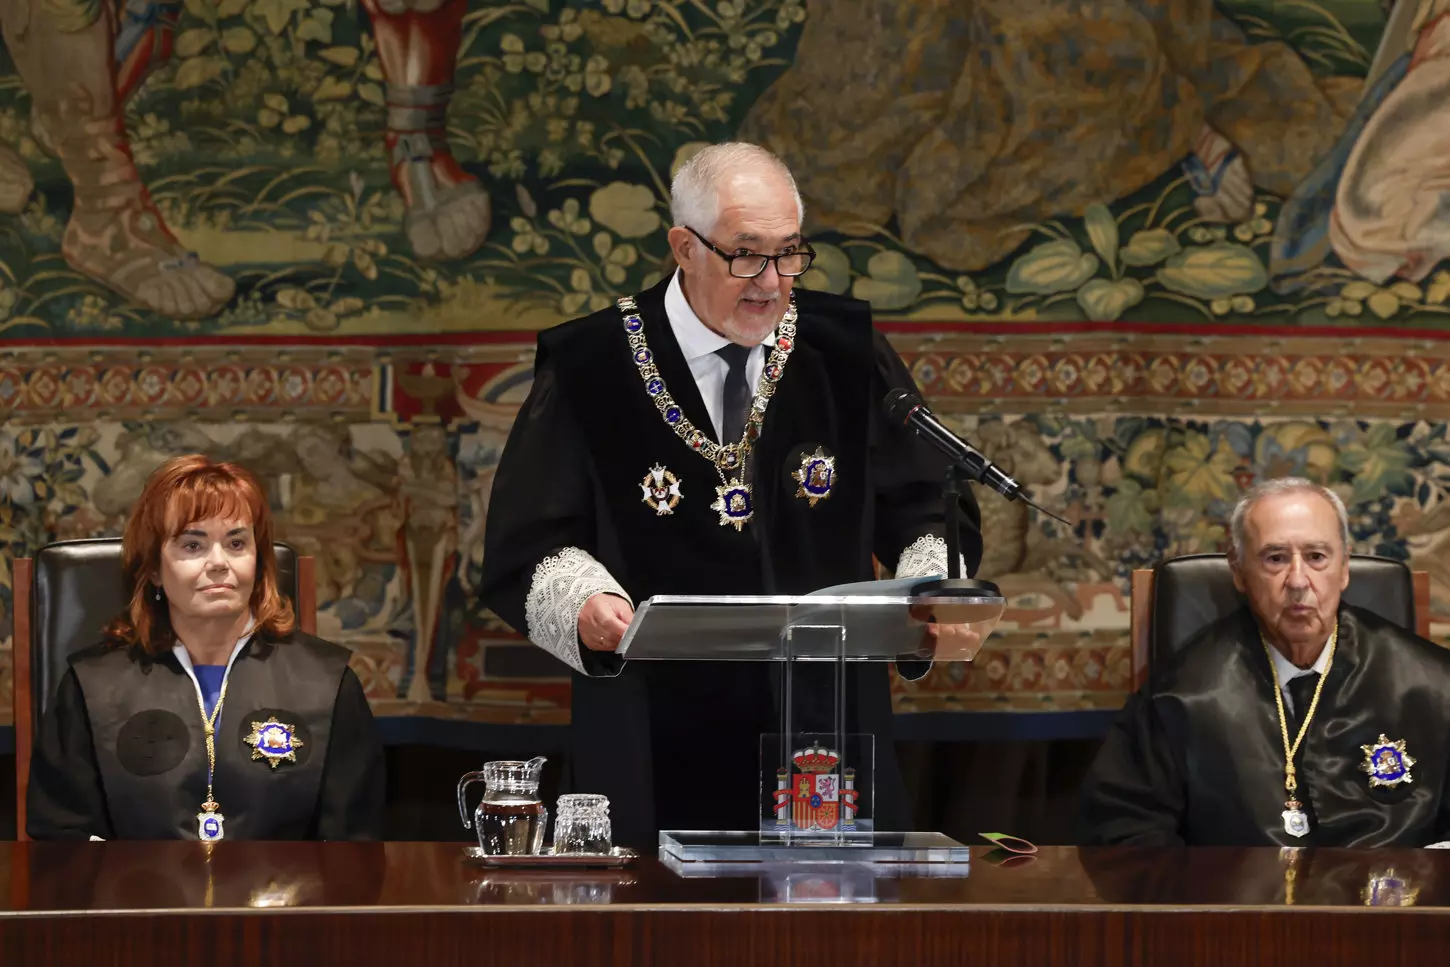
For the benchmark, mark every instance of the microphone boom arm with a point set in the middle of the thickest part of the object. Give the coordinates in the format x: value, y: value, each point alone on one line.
x: 908, y: 409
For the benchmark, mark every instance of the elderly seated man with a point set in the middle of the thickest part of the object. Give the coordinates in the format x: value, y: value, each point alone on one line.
x: 1296, y: 721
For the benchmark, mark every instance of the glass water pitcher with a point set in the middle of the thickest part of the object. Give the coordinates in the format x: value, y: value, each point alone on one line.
x: 510, y: 819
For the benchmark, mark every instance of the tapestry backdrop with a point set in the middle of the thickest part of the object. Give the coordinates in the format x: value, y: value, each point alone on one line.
x: 1142, y: 252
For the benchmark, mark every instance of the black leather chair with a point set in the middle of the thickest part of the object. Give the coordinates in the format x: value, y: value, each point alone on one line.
x: 64, y: 596
x: 1183, y: 595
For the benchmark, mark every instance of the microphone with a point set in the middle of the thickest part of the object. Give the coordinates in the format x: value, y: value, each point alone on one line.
x: 908, y: 409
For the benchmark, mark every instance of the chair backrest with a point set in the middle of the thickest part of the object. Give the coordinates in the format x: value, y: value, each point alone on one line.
x: 1191, y: 592
x: 64, y: 597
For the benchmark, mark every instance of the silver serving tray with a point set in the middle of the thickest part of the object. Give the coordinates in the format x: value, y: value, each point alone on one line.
x: 618, y: 857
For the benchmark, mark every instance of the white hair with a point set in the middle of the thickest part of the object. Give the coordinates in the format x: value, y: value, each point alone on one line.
x: 695, y: 190
x: 1275, y: 488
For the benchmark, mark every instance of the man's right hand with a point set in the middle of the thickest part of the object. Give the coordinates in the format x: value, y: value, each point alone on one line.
x: 603, y: 621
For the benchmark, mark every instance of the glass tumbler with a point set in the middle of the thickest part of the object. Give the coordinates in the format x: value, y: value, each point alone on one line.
x: 581, y: 824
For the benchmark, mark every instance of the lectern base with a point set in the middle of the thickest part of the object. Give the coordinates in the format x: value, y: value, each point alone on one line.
x: 683, y: 847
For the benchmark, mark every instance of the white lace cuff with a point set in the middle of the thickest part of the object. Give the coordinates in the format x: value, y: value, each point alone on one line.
x: 561, y: 585
x: 925, y: 557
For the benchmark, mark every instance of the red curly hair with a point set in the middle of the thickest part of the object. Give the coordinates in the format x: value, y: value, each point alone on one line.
x: 180, y: 492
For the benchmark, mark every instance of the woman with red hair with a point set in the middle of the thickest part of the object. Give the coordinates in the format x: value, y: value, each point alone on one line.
x: 205, y: 713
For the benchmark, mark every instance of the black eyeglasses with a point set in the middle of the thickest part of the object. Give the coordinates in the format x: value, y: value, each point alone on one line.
x: 747, y: 265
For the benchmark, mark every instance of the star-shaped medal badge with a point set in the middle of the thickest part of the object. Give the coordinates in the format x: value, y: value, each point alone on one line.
x: 1387, y: 763
x: 273, y: 741
x: 816, y: 476
x: 733, y: 504
x: 661, y: 490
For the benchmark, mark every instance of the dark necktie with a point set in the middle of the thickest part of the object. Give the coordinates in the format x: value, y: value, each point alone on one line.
x: 736, y: 396
x: 1301, y: 689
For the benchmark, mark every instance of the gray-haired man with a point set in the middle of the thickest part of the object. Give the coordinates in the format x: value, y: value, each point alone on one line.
x: 720, y: 433
x: 1300, y: 720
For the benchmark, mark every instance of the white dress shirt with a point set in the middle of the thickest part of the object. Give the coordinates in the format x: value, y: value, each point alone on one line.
x: 1288, y: 670
x: 698, y: 342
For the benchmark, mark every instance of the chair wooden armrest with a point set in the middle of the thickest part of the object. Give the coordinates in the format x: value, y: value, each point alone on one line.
x: 306, y: 603
x: 1140, y: 623
x: 22, y: 576
x: 1421, y: 583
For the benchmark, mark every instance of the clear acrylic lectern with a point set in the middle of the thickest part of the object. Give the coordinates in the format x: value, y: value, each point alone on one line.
x: 817, y: 784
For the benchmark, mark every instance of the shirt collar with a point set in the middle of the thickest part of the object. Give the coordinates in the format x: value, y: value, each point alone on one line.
x: 179, y: 650
x: 1288, y: 670
x: 695, y: 338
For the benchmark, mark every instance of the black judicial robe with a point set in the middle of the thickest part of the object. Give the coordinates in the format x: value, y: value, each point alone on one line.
x: 1200, y: 760
x: 122, y: 752
x: 676, y: 744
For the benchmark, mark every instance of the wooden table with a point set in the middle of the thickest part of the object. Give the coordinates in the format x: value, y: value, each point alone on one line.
x: 419, y: 903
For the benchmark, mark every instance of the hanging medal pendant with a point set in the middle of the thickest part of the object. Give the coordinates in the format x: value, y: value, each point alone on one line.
x: 1296, y: 822
x: 734, y: 504
x: 209, y: 823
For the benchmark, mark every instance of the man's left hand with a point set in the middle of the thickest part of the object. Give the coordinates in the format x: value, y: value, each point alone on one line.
x: 946, y: 642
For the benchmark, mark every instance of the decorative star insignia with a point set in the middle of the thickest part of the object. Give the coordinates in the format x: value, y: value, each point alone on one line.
x: 733, y: 503
x: 1387, y: 763
x: 274, y: 741
x: 816, y: 476
x: 661, y: 490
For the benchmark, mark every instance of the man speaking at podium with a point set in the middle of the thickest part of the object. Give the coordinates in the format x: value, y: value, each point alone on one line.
x: 720, y: 433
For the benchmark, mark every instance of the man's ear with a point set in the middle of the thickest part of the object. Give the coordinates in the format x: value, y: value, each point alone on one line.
x: 682, y: 244
x: 1234, y: 569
